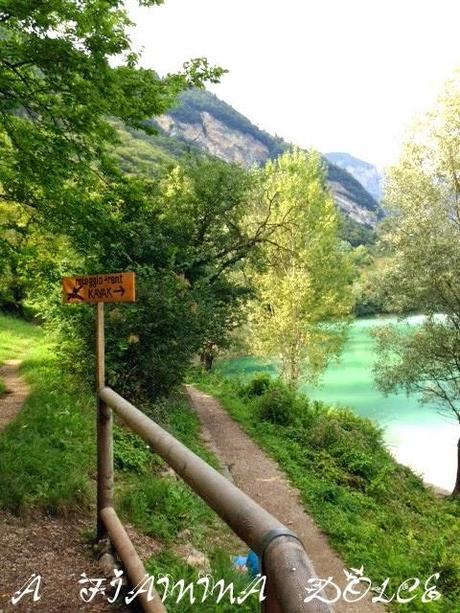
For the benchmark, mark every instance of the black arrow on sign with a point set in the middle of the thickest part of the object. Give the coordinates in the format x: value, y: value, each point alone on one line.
x: 121, y: 290
x: 73, y: 295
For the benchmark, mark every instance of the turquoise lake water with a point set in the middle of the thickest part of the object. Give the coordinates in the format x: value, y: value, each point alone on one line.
x: 417, y: 435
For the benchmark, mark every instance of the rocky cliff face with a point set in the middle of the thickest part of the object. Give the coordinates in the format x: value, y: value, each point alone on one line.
x: 353, y: 209
x: 216, y: 138
x: 204, y: 121
x: 367, y: 174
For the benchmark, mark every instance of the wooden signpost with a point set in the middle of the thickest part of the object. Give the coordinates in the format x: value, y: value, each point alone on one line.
x: 280, y: 549
x: 99, y: 289
x: 118, y: 287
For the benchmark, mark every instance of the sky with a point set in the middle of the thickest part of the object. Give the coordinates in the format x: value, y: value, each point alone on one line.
x: 336, y: 75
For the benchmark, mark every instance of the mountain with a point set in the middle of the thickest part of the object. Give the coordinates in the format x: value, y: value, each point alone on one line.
x: 203, y: 121
x: 367, y: 174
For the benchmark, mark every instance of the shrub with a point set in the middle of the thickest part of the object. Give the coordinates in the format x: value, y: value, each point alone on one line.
x: 258, y: 386
x: 279, y: 405
x: 161, y: 508
x: 130, y: 453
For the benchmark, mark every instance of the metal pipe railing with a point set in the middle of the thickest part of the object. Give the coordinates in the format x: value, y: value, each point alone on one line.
x: 128, y: 555
x: 284, y: 559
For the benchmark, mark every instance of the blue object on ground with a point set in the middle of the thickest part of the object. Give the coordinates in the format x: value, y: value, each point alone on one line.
x: 253, y: 564
x: 240, y: 562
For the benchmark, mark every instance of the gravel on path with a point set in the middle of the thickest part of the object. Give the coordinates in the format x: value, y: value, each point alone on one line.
x: 259, y: 476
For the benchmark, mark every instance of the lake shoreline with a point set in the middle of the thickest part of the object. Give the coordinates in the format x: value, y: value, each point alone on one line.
x: 410, y: 429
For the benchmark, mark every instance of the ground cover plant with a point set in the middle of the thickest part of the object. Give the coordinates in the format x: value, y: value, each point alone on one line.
x: 47, y: 452
x: 48, y: 458
x: 378, y: 514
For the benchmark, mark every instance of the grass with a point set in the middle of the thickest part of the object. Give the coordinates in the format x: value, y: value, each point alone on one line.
x: 376, y: 512
x: 2, y: 387
x: 169, y: 564
x: 47, y: 453
x: 48, y: 463
x: 18, y: 339
x: 162, y: 506
x: 151, y: 497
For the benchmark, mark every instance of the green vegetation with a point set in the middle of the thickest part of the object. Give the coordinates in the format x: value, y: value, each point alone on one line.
x: 48, y: 450
x: 59, y: 88
x: 87, y: 187
x: 151, y: 497
x: 60, y: 94
x: 48, y: 461
x: 423, y: 236
x: 192, y: 102
x: 160, y: 505
x: 376, y: 512
x: 168, y: 563
x: 140, y: 153
x: 355, y: 233
x: 303, y: 286
x: 187, y: 237
x: 17, y: 338
x: 184, y: 227
x: 370, y: 295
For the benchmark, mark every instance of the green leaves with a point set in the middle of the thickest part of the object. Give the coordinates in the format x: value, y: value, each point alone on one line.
x: 68, y: 78
x: 58, y: 89
x: 303, y: 292
x: 423, y: 236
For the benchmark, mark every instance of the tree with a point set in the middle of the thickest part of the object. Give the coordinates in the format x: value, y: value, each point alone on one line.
x: 304, y: 281
x: 423, y: 234
x: 62, y: 183
x: 183, y: 232
x: 59, y: 93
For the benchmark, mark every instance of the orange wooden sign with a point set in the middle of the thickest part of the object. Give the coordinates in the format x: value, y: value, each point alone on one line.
x: 117, y: 287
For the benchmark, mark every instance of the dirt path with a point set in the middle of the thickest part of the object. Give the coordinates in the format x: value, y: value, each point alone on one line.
x: 16, y: 392
x: 260, y: 477
x: 54, y: 548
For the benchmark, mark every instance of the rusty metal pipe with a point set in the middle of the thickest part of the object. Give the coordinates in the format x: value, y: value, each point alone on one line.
x: 247, y: 519
x: 131, y: 561
x: 290, y: 572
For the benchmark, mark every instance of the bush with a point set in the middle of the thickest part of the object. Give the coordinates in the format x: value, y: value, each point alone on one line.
x: 162, y: 507
x: 258, y: 386
x: 130, y: 453
x: 358, y: 494
x: 279, y: 405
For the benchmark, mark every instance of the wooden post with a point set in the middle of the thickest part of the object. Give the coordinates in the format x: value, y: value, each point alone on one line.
x: 104, y: 430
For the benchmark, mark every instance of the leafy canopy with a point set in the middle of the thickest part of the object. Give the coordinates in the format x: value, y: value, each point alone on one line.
x: 423, y: 233
x: 60, y: 91
x: 304, y: 289
x: 59, y: 87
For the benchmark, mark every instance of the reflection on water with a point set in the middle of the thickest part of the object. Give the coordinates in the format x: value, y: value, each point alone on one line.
x: 418, y: 435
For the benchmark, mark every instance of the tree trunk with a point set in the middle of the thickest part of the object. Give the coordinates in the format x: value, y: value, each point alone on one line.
x: 207, y: 360
x: 456, y: 491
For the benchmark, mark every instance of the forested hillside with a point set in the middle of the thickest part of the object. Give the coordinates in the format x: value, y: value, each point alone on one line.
x: 204, y: 121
